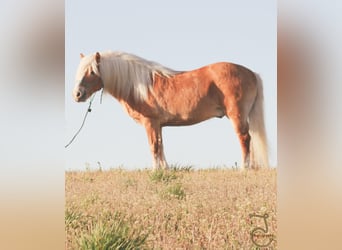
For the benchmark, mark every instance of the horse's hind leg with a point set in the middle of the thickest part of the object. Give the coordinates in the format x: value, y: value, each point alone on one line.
x: 241, y: 128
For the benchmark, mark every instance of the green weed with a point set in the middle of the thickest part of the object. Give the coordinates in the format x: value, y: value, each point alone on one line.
x: 174, y: 191
x: 163, y: 176
x: 111, y: 233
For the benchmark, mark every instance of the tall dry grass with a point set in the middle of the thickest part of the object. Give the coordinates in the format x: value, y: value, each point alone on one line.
x: 177, y: 209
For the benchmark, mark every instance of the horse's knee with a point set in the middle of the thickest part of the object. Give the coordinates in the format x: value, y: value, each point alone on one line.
x: 157, y: 145
x: 154, y: 147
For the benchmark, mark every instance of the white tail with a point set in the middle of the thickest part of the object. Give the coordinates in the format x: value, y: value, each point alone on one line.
x: 258, y: 144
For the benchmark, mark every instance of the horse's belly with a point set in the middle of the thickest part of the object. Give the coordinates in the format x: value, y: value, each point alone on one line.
x: 190, y: 117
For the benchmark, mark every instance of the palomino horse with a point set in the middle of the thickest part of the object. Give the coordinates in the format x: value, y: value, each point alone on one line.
x: 156, y: 96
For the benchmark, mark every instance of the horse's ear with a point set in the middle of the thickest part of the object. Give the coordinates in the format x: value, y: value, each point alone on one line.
x: 97, y: 57
x: 81, y: 55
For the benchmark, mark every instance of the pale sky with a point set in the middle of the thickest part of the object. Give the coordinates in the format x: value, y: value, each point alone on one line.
x: 182, y: 35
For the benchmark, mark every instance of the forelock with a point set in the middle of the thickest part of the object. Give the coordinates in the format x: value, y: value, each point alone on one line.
x: 86, y: 63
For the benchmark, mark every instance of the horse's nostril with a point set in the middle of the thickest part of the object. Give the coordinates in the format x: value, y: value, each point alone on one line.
x: 78, y: 94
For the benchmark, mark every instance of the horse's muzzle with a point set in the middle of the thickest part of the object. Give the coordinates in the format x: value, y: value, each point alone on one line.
x: 80, y: 95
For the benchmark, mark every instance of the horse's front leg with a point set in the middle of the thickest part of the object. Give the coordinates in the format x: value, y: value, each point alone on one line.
x: 154, y: 135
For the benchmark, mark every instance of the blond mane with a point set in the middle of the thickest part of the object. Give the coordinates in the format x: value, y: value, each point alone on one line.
x: 125, y: 75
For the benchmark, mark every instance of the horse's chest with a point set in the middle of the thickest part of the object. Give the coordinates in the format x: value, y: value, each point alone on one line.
x: 142, y: 111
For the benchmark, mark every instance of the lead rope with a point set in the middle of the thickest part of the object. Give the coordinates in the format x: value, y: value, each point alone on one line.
x: 101, y: 96
x: 85, y: 117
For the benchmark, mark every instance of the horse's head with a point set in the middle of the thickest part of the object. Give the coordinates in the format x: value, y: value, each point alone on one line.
x: 88, y: 79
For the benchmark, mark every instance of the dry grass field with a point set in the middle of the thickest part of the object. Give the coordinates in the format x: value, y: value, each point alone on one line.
x: 176, y: 209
